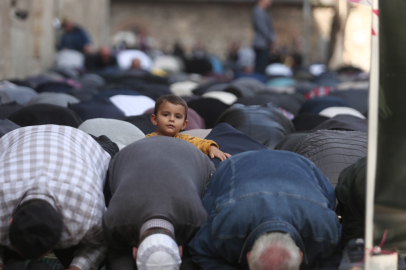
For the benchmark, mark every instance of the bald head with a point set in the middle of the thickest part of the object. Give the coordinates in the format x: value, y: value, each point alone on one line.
x: 275, y: 258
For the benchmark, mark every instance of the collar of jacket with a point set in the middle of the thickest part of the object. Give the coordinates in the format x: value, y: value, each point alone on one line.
x: 39, y: 193
x: 272, y: 226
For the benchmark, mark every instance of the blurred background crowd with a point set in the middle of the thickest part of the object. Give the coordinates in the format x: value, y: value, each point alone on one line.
x: 98, y: 57
x: 331, y: 32
x: 290, y: 74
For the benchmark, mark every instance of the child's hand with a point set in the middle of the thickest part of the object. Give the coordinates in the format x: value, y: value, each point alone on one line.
x: 215, y: 152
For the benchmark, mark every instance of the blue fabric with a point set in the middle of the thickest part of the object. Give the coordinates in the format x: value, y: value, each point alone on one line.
x: 259, y: 77
x: 327, y: 79
x: 34, y: 82
x: 54, y: 87
x: 217, y: 66
x: 282, y: 81
x: 316, y: 105
x: 232, y: 141
x: 97, y: 108
x: 263, y: 191
x: 265, y: 124
x: 261, y: 60
x: 74, y: 40
x: 357, y: 99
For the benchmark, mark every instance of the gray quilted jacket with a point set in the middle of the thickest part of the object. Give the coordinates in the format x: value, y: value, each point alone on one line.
x: 333, y: 150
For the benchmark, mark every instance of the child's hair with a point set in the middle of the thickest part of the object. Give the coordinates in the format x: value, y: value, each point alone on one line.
x: 171, y: 99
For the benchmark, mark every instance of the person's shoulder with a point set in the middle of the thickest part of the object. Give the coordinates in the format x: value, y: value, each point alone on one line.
x: 151, y: 135
x: 183, y: 136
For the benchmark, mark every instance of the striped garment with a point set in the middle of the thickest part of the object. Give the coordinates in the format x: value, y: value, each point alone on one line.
x: 65, y: 167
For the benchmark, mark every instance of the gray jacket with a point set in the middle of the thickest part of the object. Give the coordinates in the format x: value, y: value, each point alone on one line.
x: 333, y: 150
x: 157, y: 177
x: 263, y: 27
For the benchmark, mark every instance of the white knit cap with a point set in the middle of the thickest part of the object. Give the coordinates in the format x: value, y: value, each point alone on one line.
x: 157, y: 223
x: 158, y: 252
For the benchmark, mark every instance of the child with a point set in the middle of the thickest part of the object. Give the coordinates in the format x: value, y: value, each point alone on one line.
x: 170, y: 116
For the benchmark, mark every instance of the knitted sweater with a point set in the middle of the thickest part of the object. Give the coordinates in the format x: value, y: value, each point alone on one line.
x: 203, y: 145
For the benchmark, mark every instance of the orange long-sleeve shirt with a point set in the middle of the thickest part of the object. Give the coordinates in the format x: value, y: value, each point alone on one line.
x: 203, y: 145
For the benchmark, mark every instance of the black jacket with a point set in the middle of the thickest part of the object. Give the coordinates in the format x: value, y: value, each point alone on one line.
x: 344, y: 122
x: 45, y: 114
x: 351, y: 196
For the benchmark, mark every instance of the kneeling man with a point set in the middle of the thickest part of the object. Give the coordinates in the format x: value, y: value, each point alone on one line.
x: 156, y: 186
x: 51, y: 196
x: 267, y: 210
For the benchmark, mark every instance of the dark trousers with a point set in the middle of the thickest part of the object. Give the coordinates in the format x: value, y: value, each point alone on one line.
x: 261, y: 60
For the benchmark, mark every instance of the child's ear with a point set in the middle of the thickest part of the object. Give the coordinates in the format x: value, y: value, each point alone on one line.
x: 184, y: 124
x: 153, y: 119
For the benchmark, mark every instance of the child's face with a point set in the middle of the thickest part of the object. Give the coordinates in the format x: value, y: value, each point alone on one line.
x: 170, y: 119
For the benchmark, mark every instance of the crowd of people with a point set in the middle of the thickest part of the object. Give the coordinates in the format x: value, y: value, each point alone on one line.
x: 127, y: 161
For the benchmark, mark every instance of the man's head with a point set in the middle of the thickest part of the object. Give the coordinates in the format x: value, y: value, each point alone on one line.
x: 265, y: 3
x: 170, y: 115
x: 276, y: 251
x: 35, y: 229
x: 67, y: 24
x: 104, y: 52
x: 136, y: 63
x: 157, y: 249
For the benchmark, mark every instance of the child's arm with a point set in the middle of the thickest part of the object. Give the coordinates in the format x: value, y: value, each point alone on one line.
x: 208, y: 147
x: 215, y: 152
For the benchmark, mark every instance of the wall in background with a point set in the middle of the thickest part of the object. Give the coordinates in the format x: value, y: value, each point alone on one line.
x: 215, y: 24
x: 27, y: 46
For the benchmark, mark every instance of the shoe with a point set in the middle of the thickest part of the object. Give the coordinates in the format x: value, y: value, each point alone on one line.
x: 353, y: 256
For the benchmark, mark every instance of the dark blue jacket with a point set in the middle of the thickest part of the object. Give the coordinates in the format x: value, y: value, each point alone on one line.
x: 263, y: 191
x: 74, y: 40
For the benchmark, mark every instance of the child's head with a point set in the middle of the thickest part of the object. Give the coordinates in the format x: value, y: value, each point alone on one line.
x: 170, y: 115
x: 175, y: 100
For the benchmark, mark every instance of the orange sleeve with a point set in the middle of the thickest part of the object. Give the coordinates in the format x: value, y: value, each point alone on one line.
x: 203, y: 145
